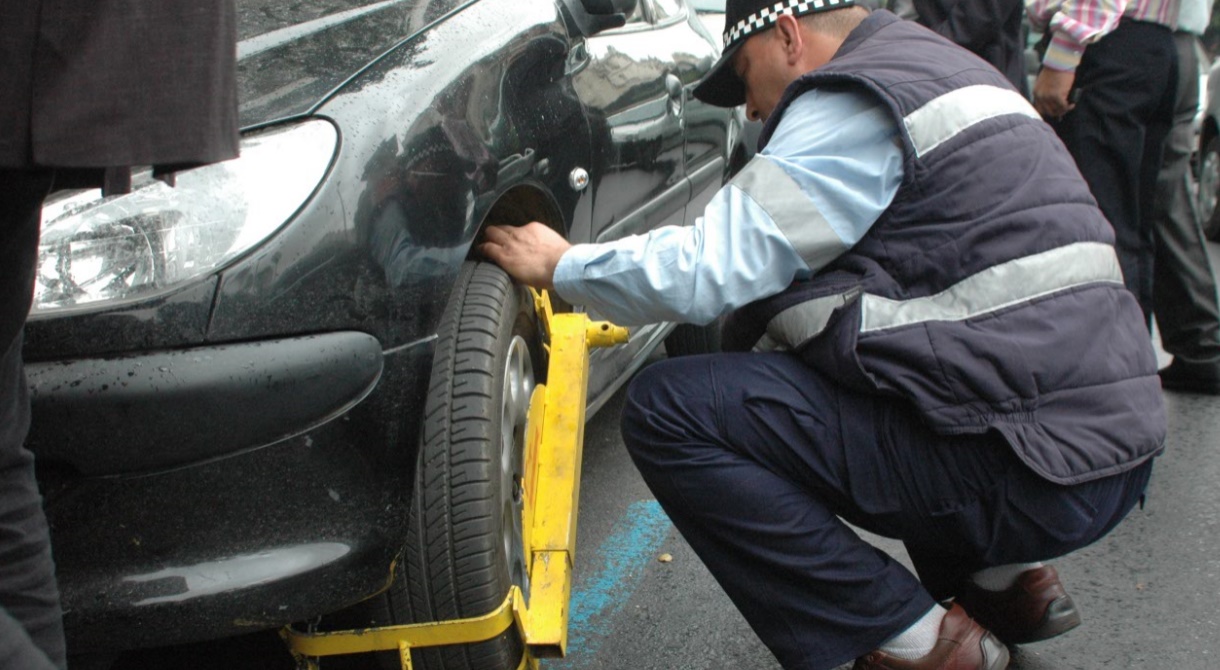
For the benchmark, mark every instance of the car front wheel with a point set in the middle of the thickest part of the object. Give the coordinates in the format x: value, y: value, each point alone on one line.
x: 464, y: 545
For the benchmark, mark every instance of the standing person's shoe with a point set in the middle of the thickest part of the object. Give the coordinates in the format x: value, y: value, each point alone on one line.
x: 963, y: 645
x: 1036, y: 607
x: 1183, y: 375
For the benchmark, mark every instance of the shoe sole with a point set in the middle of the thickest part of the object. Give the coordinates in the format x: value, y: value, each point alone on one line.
x: 995, y: 654
x: 1191, y: 386
x: 1061, y: 616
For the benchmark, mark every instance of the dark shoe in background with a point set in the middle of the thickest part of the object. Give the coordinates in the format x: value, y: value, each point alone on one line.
x: 1036, y: 607
x: 963, y: 645
x: 1183, y: 375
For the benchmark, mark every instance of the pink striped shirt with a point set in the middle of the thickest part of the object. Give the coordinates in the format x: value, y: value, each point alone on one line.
x: 1075, y: 24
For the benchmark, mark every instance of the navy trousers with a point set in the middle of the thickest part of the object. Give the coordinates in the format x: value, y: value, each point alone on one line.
x: 758, y: 460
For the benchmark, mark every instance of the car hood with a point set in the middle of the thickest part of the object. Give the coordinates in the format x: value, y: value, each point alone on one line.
x: 293, y: 54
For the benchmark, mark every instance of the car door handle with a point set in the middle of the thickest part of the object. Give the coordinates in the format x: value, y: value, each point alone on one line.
x: 677, y: 94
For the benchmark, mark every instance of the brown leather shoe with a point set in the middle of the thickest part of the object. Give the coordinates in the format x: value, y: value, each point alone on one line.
x: 1034, y: 608
x: 963, y: 645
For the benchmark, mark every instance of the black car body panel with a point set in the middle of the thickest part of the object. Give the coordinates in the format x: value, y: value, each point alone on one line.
x: 238, y: 453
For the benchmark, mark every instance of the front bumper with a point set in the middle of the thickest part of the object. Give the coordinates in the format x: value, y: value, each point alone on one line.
x: 154, y: 411
x: 209, y: 492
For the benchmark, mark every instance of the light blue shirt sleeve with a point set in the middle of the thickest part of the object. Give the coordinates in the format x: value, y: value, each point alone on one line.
x: 831, y: 168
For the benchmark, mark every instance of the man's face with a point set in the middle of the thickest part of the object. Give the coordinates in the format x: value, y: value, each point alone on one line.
x: 768, y: 61
x: 762, y: 67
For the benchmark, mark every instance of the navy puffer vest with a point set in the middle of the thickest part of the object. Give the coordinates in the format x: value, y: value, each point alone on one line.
x: 989, y: 293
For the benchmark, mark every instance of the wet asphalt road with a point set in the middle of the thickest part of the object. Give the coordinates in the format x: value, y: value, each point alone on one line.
x: 1149, y: 592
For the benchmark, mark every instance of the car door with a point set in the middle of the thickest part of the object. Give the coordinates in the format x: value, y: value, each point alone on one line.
x: 634, y: 95
x: 707, y: 130
x: 634, y: 85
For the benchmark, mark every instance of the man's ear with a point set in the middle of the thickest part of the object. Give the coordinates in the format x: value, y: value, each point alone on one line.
x: 788, y: 31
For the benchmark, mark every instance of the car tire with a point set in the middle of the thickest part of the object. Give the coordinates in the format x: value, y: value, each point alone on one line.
x: 464, y: 546
x: 464, y: 542
x: 1208, y: 198
x: 687, y: 339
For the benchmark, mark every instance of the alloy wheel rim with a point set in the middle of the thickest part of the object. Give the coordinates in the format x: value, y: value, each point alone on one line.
x: 518, y: 388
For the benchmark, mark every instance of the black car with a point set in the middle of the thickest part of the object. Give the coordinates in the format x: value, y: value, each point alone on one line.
x: 284, y: 389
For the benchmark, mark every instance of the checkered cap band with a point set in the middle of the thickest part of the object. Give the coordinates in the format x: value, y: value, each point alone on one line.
x: 767, y: 16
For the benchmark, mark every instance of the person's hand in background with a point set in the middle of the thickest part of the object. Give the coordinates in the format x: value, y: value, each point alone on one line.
x: 1052, y: 93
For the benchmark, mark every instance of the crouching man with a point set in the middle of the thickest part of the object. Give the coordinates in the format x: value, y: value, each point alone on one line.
x: 936, y: 346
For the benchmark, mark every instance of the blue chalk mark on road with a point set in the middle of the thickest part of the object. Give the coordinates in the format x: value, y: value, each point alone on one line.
x: 621, y: 561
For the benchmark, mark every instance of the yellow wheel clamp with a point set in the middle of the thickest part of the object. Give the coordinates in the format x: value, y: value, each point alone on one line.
x: 555, y: 440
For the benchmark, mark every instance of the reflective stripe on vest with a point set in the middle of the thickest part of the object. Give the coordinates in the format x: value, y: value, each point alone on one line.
x: 929, y: 126
x: 778, y: 194
x: 944, y: 117
x: 1015, y: 282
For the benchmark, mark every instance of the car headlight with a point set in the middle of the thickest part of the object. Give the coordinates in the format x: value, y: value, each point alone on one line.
x: 158, y: 237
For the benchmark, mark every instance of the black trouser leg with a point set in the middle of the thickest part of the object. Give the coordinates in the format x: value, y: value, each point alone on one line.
x: 1187, y: 313
x: 31, y: 623
x: 1116, y: 134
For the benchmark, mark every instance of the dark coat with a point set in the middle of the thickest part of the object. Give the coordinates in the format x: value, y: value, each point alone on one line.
x: 991, y: 29
x: 117, y: 82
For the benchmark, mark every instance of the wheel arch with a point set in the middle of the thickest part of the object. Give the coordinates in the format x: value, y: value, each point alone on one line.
x: 522, y: 204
